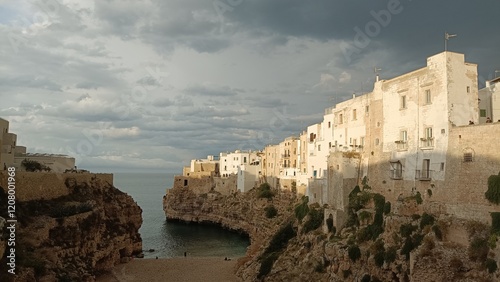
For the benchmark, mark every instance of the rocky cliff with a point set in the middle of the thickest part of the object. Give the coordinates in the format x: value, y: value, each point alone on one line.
x: 296, y: 243
x: 77, y: 236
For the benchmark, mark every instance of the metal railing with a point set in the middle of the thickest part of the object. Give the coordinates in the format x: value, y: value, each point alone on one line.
x: 423, y: 174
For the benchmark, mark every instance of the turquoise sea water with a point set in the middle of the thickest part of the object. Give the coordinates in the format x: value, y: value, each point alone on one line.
x: 170, y: 239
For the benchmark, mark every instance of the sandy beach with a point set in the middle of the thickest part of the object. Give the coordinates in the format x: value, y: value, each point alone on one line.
x: 190, y: 269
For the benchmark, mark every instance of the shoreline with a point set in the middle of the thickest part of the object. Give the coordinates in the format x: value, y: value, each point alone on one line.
x: 174, y: 269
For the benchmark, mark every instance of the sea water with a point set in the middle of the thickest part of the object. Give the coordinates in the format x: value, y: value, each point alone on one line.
x: 171, y: 239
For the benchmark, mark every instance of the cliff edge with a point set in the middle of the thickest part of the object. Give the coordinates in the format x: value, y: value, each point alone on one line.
x: 81, y: 229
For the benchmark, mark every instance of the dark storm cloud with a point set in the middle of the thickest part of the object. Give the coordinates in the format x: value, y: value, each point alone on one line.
x: 415, y: 32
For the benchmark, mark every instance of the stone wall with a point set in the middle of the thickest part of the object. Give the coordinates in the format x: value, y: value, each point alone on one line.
x: 203, y: 185
x: 45, y: 185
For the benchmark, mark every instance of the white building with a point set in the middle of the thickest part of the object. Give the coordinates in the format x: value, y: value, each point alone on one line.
x: 248, y: 176
x: 489, y: 101
x: 230, y: 162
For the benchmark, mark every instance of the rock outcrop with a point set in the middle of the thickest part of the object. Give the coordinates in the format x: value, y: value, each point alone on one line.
x: 375, y: 245
x: 77, y: 236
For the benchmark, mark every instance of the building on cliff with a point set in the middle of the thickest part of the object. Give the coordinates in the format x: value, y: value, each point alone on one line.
x: 7, y: 145
x: 489, y: 101
x: 202, y: 167
x: 230, y: 162
x: 13, y: 155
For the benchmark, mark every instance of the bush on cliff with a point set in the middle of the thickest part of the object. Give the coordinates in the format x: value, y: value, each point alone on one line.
x: 493, y: 192
x: 315, y: 220
x: 271, y: 211
x: 276, y: 246
x: 302, y: 209
x: 265, y: 191
x: 354, y: 252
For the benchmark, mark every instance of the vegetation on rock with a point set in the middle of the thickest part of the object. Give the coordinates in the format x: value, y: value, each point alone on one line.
x: 493, y: 192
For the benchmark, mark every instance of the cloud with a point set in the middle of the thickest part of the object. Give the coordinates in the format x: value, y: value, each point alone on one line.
x: 345, y: 77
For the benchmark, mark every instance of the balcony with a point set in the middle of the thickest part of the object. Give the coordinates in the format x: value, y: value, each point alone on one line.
x: 427, y: 143
x: 285, y: 155
x: 423, y: 175
x: 401, y: 145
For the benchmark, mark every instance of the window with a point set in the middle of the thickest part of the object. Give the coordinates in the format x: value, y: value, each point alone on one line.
x: 428, y: 139
x: 329, y: 144
x: 319, y: 147
x: 397, y: 170
x: 442, y: 167
x: 244, y: 160
x: 468, y: 89
x: 403, y: 135
x: 340, y: 118
x: 355, y: 142
x: 428, y: 132
x: 362, y: 141
x: 402, y: 103
x: 367, y: 109
x: 428, y: 96
x: 402, y: 143
x: 482, y: 113
x: 377, y: 142
x: 467, y: 157
x: 426, y: 173
x: 354, y: 115
x: 329, y: 125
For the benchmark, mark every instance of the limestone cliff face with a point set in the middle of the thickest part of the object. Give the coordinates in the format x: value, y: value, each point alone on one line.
x: 76, y: 236
x: 243, y: 212
x: 414, y: 247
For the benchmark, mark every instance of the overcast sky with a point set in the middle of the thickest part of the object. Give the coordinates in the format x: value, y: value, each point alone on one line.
x: 149, y: 85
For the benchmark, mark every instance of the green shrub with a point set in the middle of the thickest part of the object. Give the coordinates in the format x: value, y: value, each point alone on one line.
x: 478, y: 249
x: 387, y: 208
x: 415, y: 216
x: 493, y: 192
x: 390, y: 255
x: 379, y: 258
x: 426, y: 219
x: 364, y: 215
x: 491, y: 265
x: 320, y: 267
x: 429, y: 192
x: 363, y: 235
x: 281, y: 238
x: 346, y: 273
x: 379, y: 202
x: 271, y: 211
x: 302, y: 209
x: 405, y: 230
x: 492, y: 241
x: 354, y: 252
x: 495, y: 222
x: 265, y: 191
x: 418, y: 198
x: 366, y: 278
x: 329, y: 224
x: 266, y: 265
x: 315, y: 220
